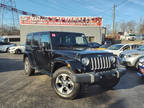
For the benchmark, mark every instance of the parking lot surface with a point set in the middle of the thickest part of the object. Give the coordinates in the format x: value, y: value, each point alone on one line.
x: 20, y: 91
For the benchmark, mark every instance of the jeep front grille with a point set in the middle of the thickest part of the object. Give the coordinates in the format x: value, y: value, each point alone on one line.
x: 99, y: 63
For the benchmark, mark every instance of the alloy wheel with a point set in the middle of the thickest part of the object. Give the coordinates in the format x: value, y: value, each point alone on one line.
x: 64, y: 84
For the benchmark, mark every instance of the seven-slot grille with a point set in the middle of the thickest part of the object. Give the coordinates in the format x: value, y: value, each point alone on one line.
x: 98, y: 63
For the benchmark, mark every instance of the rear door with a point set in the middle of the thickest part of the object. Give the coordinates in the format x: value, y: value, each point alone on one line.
x: 36, y: 47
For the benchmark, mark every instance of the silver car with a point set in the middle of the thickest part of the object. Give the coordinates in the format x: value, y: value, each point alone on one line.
x: 130, y: 58
x: 117, y: 49
x: 4, y: 47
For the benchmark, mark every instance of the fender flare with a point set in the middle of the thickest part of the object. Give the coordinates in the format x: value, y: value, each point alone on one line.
x: 74, y: 64
x: 138, y: 60
x: 26, y: 54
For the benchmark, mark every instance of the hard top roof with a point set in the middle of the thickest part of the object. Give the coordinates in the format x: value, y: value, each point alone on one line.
x: 54, y: 32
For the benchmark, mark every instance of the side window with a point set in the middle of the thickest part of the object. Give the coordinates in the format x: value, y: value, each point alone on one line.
x: 80, y: 40
x: 29, y: 39
x: 134, y: 46
x: 126, y: 48
x: 36, y: 40
x: 45, y: 39
x: 67, y: 40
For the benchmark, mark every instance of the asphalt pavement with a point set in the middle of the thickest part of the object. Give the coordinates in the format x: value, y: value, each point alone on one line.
x: 20, y: 91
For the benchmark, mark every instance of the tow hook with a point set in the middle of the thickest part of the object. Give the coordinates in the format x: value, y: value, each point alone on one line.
x: 101, y: 77
x: 117, y: 74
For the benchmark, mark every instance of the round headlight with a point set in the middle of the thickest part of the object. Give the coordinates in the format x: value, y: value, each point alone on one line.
x: 85, y: 61
x: 113, y: 59
x: 141, y: 60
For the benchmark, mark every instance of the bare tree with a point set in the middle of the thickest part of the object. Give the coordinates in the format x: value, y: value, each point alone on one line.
x: 123, y: 26
x: 131, y: 25
x: 141, y: 26
x: 141, y: 31
x: 108, y: 28
x: 8, y: 30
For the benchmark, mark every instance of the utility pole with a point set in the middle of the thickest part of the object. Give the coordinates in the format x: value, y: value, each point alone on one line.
x: 113, y: 28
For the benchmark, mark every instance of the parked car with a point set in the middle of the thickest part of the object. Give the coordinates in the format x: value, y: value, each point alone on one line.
x: 4, y: 47
x: 131, y: 37
x: 105, y: 45
x: 140, y: 37
x: 130, y: 58
x: 94, y: 45
x: 66, y: 56
x: 17, y: 49
x: 107, y: 42
x: 117, y: 49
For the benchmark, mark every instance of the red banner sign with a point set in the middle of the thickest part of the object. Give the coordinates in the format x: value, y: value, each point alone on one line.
x: 61, y: 21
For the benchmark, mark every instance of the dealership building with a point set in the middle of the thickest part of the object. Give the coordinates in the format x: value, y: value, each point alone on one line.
x: 90, y: 26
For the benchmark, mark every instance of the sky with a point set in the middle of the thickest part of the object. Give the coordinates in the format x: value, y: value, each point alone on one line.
x: 126, y: 10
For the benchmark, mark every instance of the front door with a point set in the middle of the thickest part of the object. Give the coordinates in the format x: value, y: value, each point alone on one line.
x: 44, y: 53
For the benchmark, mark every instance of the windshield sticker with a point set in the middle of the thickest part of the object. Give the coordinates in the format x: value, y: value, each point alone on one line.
x: 53, y: 35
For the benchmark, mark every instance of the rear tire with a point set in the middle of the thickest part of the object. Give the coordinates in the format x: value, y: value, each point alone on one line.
x: 63, y: 85
x: 137, y: 65
x: 27, y: 68
x: 109, y: 83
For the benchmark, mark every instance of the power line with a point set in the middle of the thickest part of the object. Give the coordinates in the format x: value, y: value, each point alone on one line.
x: 42, y: 3
x: 121, y: 3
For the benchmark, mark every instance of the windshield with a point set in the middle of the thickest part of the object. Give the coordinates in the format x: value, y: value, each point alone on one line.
x: 141, y: 48
x: 115, y: 47
x: 132, y: 34
x: 68, y: 40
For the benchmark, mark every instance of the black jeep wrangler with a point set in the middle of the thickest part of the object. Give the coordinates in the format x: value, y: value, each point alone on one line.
x: 69, y: 60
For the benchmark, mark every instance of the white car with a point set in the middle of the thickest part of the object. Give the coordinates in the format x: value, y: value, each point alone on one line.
x: 131, y: 37
x: 17, y: 49
x: 4, y: 47
x: 117, y: 49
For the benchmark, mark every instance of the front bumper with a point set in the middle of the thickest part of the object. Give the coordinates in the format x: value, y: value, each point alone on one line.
x: 93, y: 77
x: 11, y: 51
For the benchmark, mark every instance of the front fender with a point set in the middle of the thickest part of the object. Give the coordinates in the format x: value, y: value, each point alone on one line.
x: 137, y: 60
x: 74, y: 64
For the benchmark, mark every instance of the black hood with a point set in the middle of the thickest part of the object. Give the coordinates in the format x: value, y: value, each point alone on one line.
x: 87, y: 52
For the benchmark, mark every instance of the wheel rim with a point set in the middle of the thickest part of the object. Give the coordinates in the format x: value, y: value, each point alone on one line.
x: 26, y: 66
x: 64, y: 84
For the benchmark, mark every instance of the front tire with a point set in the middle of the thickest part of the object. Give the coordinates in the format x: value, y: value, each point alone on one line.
x: 63, y: 85
x: 27, y: 68
x: 18, y: 51
x: 7, y: 50
x: 109, y: 83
